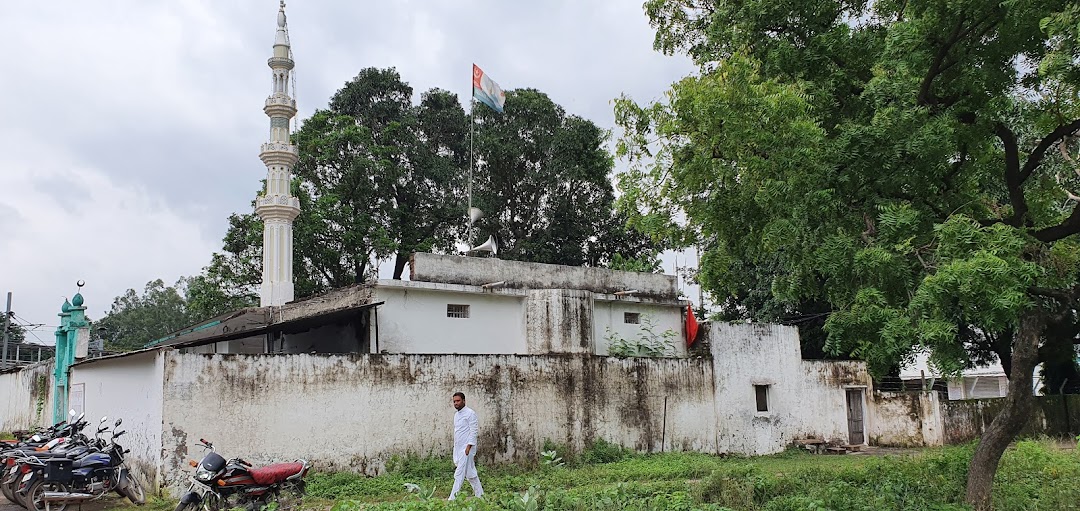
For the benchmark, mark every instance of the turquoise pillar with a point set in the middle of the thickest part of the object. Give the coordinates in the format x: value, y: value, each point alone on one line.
x: 72, y: 323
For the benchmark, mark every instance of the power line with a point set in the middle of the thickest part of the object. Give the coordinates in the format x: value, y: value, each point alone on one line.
x: 32, y: 327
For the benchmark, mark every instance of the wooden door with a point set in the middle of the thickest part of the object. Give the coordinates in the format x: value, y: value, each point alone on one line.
x: 856, y: 435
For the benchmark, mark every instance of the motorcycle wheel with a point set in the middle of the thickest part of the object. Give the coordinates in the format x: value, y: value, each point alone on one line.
x: 20, y: 498
x: 37, y: 491
x: 8, y: 491
x: 134, y: 491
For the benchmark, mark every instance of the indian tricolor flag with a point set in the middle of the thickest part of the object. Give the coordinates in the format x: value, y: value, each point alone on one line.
x: 485, y: 90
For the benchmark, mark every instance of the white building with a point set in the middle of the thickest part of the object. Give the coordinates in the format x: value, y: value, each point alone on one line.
x: 459, y: 305
x: 982, y: 382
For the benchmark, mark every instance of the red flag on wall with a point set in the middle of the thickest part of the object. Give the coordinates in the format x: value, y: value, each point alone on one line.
x: 691, y: 326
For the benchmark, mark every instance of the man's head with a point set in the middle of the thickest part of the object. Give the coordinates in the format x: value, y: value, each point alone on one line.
x: 459, y: 400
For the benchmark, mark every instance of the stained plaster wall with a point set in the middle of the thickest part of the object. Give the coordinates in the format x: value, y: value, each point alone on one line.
x: 476, y: 271
x: 25, y: 400
x: 907, y: 419
x: 805, y: 397
x: 129, y: 388
x: 354, y: 411
x: 413, y: 320
x: 608, y: 319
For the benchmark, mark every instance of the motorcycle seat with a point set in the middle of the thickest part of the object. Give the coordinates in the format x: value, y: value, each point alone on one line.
x: 276, y: 473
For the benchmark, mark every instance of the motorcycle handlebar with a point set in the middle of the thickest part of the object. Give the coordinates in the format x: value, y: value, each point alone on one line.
x: 242, y: 462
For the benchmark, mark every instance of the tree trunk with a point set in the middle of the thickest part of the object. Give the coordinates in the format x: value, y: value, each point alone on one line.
x: 399, y: 264
x: 1013, y: 416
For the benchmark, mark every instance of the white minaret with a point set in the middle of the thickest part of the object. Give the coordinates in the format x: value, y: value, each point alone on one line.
x: 277, y: 207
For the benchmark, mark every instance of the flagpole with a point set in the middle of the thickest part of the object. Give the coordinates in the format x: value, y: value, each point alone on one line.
x: 472, y: 128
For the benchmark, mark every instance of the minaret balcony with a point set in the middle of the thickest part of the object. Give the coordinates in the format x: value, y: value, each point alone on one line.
x: 280, y: 62
x: 283, y: 207
x: 280, y: 99
x: 279, y: 153
x: 280, y: 106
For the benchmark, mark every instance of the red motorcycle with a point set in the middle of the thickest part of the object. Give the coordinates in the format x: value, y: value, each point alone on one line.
x: 219, y: 485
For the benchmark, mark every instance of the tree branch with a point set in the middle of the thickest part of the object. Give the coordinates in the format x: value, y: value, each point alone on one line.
x: 1013, y: 179
x: 1066, y: 228
x: 1048, y: 141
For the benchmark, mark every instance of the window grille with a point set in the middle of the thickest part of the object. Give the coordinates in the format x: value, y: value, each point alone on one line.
x: 454, y: 310
x: 632, y: 318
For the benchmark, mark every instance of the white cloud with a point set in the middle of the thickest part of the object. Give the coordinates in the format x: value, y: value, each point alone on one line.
x: 64, y: 223
x: 132, y: 128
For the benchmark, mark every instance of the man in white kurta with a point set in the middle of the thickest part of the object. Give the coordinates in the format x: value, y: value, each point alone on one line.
x: 466, y: 429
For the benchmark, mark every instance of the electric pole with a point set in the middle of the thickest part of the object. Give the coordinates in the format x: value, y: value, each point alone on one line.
x: 7, y: 324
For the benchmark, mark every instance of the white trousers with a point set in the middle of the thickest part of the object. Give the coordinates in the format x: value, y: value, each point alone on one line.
x: 465, y: 468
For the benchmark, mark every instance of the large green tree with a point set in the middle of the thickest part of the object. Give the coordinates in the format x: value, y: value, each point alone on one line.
x: 543, y: 178
x: 905, y: 162
x: 138, y: 318
x: 380, y: 176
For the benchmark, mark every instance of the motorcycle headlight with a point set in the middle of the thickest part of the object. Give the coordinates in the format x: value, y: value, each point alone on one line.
x: 203, y: 475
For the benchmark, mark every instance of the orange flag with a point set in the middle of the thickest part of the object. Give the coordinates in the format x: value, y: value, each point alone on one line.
x: 691, y: 326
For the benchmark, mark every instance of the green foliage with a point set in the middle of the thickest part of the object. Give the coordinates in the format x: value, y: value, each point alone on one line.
x: 15, y: 331
x: 421, y: 492
x: 1035, y: 475
x: 413, y: 466
x: 42, y: 385
x: 562, y: 451
x: 551, y: 459
x: 887, y: 165
x: 543, y: 180
x: 602, y: 451
x: 382, y: 177
x: 646, y: 263
x: 138, y: 318
x: 648, y: 342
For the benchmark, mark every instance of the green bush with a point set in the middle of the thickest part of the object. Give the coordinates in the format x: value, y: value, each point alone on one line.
x: 602, y: 451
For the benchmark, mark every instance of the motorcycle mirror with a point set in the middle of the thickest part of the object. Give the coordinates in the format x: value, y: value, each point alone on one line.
x: 103, y: 419
x: 71, y: 412
x: 36, y: 438
x: 118, y: 421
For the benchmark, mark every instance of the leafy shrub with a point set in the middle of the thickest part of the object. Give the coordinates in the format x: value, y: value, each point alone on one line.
x: 602, y: 451
x: 416, y: 467
x: 648, y: 343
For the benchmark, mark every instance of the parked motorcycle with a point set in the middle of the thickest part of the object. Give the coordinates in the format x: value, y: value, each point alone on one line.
x: 88, y: 472
x: 219, y: 485
x: 56, y: 437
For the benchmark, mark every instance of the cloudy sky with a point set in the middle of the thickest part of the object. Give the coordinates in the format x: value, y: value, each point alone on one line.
x: 132, y: 128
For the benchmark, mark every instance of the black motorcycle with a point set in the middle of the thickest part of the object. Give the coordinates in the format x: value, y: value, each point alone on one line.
x: 67, y: 478
x: 62, y: 437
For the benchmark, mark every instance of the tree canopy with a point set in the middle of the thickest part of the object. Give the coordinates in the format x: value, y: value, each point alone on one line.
x: 382, y: 177
x: 543, y: 179
x: 908, y: 164
x: 138, y: 318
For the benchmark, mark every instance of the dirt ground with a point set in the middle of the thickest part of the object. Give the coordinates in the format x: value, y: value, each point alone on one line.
x: 5, y: 505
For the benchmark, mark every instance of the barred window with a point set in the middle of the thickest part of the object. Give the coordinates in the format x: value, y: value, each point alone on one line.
x: 454, y: 310
x: 631, y: 318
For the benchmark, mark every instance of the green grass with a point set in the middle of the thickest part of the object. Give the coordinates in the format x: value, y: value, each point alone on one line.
x: 1034, y: 475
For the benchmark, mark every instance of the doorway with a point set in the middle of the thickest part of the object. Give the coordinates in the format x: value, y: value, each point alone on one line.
x: 856, y: 430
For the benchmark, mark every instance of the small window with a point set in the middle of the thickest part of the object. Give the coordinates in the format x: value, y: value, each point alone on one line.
x: 454, y: 310
x: 631, y: 318
x: 761, y: 392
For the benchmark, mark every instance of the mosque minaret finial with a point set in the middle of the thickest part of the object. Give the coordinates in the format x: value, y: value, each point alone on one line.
x: 276, y: 206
